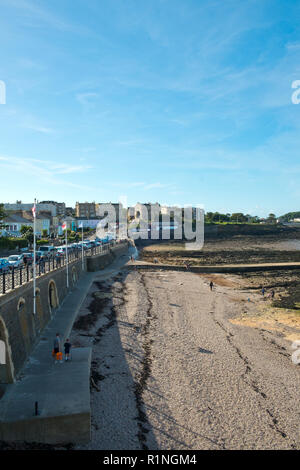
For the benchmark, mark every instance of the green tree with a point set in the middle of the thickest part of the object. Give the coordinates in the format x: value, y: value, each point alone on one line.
x: 271, y: 219
x: 209, y: 217
x: 238, y: 217
x: 2, y: 215
x: 24, y: 229
x: 29, y: 235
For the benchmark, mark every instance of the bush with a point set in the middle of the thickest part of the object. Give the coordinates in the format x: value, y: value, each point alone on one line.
x: 12, y: 243
x: 42, y: 241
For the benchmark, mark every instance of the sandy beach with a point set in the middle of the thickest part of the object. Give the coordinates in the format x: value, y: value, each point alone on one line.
x: 176, y: 366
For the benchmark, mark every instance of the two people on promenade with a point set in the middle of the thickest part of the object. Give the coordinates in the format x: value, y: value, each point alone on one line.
x: 57, y: 349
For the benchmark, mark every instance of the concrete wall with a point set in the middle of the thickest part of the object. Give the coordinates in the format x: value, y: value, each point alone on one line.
x: 226, y: 269
x: 96, y: 263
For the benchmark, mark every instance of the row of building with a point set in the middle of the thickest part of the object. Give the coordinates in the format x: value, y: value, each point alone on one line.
x: 50, y: 215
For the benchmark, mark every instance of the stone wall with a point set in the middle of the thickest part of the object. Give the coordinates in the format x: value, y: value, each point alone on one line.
x: 19, y: 328
x: 95, y: 263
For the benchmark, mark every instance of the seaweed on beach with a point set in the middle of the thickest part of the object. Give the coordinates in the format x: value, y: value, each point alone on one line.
x: 96, y: 307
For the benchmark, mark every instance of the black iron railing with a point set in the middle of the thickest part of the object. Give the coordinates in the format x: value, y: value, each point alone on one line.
x: 17, y: 277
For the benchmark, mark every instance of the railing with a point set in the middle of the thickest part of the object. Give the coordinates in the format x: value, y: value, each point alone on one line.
x: 17, y: 277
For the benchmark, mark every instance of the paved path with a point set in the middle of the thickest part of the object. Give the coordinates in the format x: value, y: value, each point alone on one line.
x: 177, y: 374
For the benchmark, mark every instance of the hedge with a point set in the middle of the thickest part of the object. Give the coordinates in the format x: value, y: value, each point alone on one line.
x: 12, y: 243
x: 42, y: 241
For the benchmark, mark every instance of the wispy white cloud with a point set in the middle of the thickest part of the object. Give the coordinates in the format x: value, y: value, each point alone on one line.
x: 42, y: 130
x: 44, y: 170
x: 143, y: 186
x: 87, y: 98
x: 42, y: 15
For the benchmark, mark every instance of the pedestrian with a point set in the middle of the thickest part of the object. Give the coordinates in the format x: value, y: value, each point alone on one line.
x: 42, y: 265
x: 58, y: 260
x: 211, y: 285
x: 272, y: 294
x: 57, y: 348
x: 67, y: 347
x: 263, y: 291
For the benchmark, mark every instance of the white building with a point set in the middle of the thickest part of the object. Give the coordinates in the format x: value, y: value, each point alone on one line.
x: 14, y: 222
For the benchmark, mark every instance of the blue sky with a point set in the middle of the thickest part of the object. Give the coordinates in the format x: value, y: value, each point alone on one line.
x: 181, y: 102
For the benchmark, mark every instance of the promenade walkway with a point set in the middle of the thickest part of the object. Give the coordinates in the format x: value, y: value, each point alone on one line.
x: 62, y: 391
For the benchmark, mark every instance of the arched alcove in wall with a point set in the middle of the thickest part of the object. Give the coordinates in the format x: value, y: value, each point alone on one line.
x: 52, y: 295
x: 6, y: 369
x: 74, y: 275
x: 39, y: 309
x: 24, y: 322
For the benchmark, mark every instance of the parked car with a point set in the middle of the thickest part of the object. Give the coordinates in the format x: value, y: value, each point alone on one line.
x: 41, y: 255
x: 49, y: 251
x: 87, y: 244
x: 27, y: 258
x: 4, y: 265
x: 61, y: 251
x: 15, y: 261
x: 80, y: 245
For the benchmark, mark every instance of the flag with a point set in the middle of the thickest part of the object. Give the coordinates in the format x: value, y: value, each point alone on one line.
x: 64, y: 226
x: 34, y: 211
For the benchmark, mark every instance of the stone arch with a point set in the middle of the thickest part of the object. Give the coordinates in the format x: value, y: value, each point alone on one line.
x: 21, y: 304
x: 39, y: 308
x: 52, y: 295
x: 74, y: 275
x: 23, y: 319
x: 7, y: 369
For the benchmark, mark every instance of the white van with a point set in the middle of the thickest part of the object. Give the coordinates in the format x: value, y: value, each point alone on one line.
x: 47, y: 250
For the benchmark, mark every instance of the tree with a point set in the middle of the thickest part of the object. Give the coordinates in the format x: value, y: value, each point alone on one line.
x: 271, y: 219
x: 24, y: 229
x: 209, y: 217
x: 27, y: 233
x: 238, y: 217
x: 2, y: 215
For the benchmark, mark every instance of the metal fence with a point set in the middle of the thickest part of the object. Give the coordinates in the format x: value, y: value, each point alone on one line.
x: 17, y: 277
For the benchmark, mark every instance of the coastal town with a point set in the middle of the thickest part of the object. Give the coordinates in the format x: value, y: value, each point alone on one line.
x: 149, y: 232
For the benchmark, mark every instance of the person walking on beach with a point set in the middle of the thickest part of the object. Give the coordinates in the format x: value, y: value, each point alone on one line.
x: 272, y: 294
x: 263, y: 291
x: 67, y: 347
x: 211, y: 285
